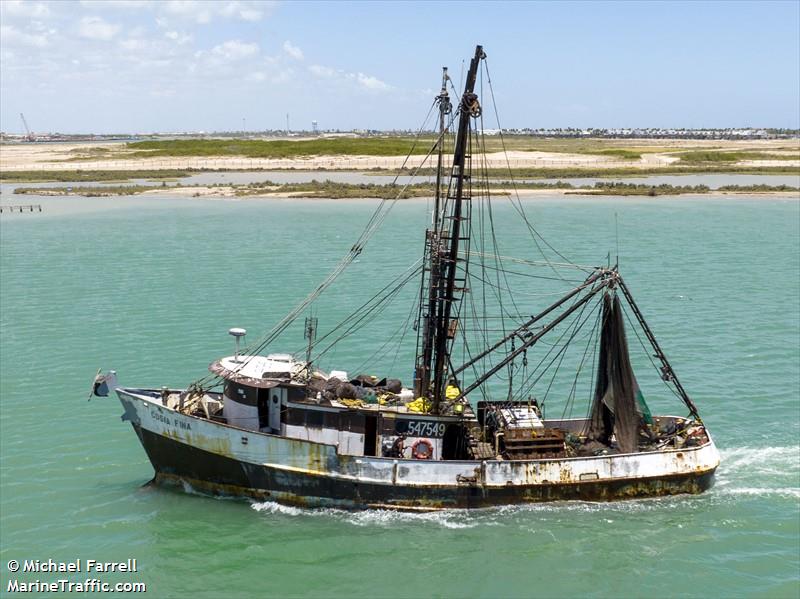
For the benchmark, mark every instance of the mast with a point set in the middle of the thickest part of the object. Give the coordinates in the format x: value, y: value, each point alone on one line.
x: 445, y: 108
x: 423, y: 371
x: 442, y: 248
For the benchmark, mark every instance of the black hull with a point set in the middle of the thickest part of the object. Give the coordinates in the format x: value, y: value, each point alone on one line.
x: 175, y: 463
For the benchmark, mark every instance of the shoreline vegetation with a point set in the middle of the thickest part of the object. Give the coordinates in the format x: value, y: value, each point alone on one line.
x: 90, y: 176
x: 96, y: 175
x: 402, y: 146
x: 335, y: 190
x: 536, y: 165
x: 588, y: 172
x: 527, y: 157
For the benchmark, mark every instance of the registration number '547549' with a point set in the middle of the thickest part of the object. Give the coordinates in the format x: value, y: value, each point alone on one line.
x: 420, y: 428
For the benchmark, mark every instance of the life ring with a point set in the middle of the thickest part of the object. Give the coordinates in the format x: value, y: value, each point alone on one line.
x: 422, y: 450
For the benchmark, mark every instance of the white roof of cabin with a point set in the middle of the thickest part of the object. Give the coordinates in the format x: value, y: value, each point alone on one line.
x: 254, y: 367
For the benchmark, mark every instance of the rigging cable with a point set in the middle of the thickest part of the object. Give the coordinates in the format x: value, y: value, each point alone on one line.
x: 573, y: 391
x: 647, y: 353
x: 374, y: 223
x: 366, y: 312
x: 563, y: 351
x: 527, y: 385
x: 535, y: 234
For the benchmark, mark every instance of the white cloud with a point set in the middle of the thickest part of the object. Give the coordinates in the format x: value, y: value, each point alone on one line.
x: 250, y: 14
x: 292, y: 50
x: 14, y: 37
x: 95, y: 28
x: 123, y: 4
x: 283, y: 76
x: 367, y: 82
x: 196, y: 11
x: 199, y: 12
x: 246, y: 11
x: 321, y: 71
x: 25, y: 9
x: 233, y: 50
x: 153, y: 53
x: 134, y: 45
x: 205, y: 11
x: 372, y: 83
x: 178, y: 38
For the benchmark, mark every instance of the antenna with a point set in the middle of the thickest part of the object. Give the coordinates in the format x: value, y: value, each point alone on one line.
x: 311, y: 335
x: 287, y: 123
x: 237, y: 334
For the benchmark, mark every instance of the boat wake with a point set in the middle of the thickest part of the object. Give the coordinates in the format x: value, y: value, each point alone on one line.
x: 759, y: 471
x: 479, y: 518
x: 453, y: 519
x: 745, y: 471
x: 761, y: 460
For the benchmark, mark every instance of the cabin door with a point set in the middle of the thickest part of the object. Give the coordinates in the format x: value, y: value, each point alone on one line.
x: 269, y: 409
x: 276, y: 400
x: 371, y: 435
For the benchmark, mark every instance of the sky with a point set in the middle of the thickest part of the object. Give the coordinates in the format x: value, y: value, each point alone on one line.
x: 171, y: 66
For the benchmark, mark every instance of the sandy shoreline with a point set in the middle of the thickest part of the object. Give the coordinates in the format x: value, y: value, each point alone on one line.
x: 229, y: 193
x: 219, y: 192
x: 70, y: 157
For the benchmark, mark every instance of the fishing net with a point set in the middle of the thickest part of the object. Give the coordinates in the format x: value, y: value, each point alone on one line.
x: 615, y: 406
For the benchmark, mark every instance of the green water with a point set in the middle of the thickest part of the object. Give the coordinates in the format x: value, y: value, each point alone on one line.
x: 150, y: 287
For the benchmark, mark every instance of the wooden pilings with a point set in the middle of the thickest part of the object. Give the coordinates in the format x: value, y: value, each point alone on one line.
x: 21, y: 208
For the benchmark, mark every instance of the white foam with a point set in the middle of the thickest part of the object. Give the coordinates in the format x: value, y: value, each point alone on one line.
x: 453, y: 519
x: 744, y: 471
x: 456, y: 519
x: 760, y: 460
x: 271, y: 507
x: 759, y: 471
x: 764, y: 491
x: 760, y: 457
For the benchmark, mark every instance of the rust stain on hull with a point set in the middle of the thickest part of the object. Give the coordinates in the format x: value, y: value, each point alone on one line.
x: 206, y: 472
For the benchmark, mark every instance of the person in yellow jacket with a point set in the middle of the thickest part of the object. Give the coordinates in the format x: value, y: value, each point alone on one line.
x: 452, y: 391
x: 420, y: 405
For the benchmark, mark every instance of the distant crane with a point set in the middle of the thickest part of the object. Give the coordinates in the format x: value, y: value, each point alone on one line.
x: 28, y: 134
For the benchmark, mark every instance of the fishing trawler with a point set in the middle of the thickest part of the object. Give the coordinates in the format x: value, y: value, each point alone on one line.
x: 472, y: 429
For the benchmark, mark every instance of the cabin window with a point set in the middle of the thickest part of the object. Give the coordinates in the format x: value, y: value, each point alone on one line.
x: 314, y: 418
x: 352, y: 421
x: 295, y: 417
x: 370, y: 435
x: 241, y: 393
x: 296, y: 393
x: 263, y: 408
